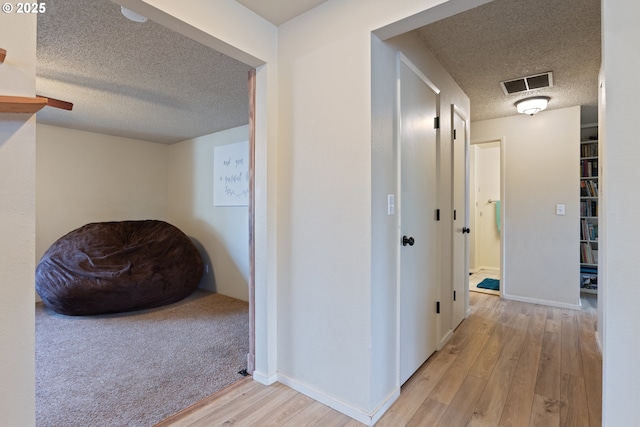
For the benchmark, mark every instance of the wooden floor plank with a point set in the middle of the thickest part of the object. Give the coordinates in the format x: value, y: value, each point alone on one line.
x: 428, y: 414
x: 454, y: 377
x: 252, y: 413
x: 228, y: 411
x: 545, y: 412
x: 593, y: 388
x: 419, y: 386
x: 490, y: 353
x: 517, y: 409
x: 491, y: 404
x: 573, y: 402
x: 229, y: 395
x: 333, y: 418
x: 548, y: 380
x: 554, y: 320
x: 461, y: 407
x: 308, y: 416
x: 509, y: 364
x: 353, y: 423
x: 284, y: 412
x: 571, y: 362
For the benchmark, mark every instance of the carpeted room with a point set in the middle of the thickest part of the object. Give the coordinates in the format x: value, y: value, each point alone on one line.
x: 125, y: 342
x: 118, y: 164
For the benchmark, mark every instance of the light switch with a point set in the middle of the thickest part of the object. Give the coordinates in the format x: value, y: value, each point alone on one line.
x: 559, y: 209
x: 391, y: 204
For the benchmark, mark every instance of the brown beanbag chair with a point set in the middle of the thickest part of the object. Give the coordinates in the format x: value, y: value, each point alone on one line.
x: 111, y: 267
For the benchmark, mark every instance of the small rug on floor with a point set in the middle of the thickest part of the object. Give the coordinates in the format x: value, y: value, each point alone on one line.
x: 493, y: 284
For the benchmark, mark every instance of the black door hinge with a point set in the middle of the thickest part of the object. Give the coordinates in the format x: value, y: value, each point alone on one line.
x: 438, y: 307
x: 454, y: 215
x: 436, y: 123
x: 454, y: 295
x: 437, y: 214
x: 454, y: 134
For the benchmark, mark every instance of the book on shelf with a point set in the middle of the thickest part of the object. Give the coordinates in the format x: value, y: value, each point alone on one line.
x: 589, y: 208
x: 589, y: 168
x: 588, y: 188
x: 587, y: 254
x: 589, y: 149
x: 588, y: 230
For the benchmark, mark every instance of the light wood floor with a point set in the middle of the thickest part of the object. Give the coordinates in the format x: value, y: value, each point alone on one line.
x: 508, y: 364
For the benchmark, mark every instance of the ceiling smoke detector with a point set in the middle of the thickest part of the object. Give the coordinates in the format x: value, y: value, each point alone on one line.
x: 523, y: 84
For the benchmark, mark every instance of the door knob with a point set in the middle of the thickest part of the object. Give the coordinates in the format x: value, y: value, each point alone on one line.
x: 407, y: 241
x: 466, y: 230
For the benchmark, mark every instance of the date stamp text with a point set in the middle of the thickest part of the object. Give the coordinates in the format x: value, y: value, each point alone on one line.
x: 22, y: 8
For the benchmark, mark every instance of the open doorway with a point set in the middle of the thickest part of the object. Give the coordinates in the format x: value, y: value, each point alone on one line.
x: 487, y: 216
x: 168, y: 180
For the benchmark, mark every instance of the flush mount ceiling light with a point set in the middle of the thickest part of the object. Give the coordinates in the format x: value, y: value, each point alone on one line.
x: 130, y: 14
x: 532, y: 105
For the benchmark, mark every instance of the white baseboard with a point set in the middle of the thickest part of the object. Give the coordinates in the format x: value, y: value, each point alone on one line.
x: 384, y: 407
x: 542, y: 302
x: 484, y: 267
x: 348, y: 410
x: 263, y: 378
x: 445, y: 339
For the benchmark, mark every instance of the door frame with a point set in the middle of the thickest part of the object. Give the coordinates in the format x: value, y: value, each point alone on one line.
x: 251, y: 356
x: 503, y: 202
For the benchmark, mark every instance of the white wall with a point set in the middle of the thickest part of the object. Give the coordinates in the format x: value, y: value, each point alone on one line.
x: 17, y: 224
x: 485, y: 184
x: 88, y: 177
x: 619, y: 291
x: 221, y: 232
x: 541, y: 161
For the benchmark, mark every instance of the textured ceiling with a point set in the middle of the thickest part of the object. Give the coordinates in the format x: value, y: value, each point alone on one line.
x: 507, y: 39
x: 146, y: 82
x: 135, y: 80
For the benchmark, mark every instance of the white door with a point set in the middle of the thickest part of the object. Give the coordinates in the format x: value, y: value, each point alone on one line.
x: 418, y: 291
x: 460, y: 224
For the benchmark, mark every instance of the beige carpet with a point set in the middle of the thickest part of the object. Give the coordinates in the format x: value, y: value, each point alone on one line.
x: 135, y: 369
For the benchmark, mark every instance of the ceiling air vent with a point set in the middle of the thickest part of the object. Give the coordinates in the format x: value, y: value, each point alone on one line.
x: 524, y: 84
